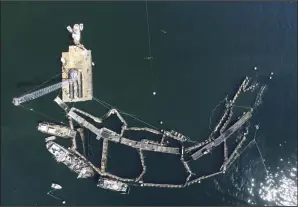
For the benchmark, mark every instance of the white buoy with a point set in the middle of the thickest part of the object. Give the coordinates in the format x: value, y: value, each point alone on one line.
x: 255, y: 68
x: 63, y: 202
x: 161, y: 122
x: 93, y: 63
x: 271, y: 73
x: 270, y: 77
x: 257, y: 126
x: 154, y: 93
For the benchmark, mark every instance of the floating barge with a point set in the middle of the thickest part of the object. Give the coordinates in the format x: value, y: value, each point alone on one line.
x: 80, y: 61
x: 77, y: 62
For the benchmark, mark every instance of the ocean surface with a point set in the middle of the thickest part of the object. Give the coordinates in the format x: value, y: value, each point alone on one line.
x: 201, y: 53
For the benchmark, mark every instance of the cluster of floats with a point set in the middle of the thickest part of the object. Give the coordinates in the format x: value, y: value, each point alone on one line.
x: 77, y: 86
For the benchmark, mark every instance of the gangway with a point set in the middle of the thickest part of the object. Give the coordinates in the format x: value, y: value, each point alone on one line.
x: 41, y: 92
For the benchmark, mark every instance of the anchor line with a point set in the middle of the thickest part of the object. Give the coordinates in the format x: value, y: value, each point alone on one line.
x: 122, y: 112
x: 210, y: 118
x: 50, y: 193
x: 109, y: 106
x: 148, y: 29
x: 38, y: 112
x: 149, y: 42
x: 262, y: 158
x: 254, y: 141
x: 39, y: 85
x: 42, y: 114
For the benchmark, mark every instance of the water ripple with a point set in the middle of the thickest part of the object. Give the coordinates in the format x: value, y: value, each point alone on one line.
x: 279, y: 188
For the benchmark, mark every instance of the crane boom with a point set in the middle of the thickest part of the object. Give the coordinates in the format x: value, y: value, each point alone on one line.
x: 41, y: 92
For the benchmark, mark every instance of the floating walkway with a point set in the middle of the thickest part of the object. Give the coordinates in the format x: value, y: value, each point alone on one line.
x: 104, y: 155
x: 206, y: 149
x: 144, y: 167
x: 228, y: 161
x: 161, y: 185
x: 186, y: 166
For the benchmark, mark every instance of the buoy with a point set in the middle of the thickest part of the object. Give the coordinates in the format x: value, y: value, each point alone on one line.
x: 271, y: 73
x: 154, y: 93
x: 255, y: 68
x: 161, y: 122
x: 270, y: 77
x: 63, y: 202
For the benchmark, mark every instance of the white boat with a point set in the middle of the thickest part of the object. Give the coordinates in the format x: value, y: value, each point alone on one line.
x: 56, y: 186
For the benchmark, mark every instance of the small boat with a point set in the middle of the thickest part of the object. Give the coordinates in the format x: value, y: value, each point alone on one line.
x: 56, y: 186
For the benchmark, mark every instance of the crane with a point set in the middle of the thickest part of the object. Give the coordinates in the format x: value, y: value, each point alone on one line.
x: 41, y: 92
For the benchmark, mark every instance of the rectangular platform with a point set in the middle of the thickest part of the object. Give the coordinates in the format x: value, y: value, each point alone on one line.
x: 80, y: 60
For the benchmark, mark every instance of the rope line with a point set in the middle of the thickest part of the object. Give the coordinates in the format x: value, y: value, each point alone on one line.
x: 122, y: 112
x: 34, y: 88
x: 148, y: 30
x: 210, y: 118
x: 149, y: 45
x: 42, y: 114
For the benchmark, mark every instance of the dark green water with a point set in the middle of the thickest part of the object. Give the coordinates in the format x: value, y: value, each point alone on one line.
x: 208, y: 49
